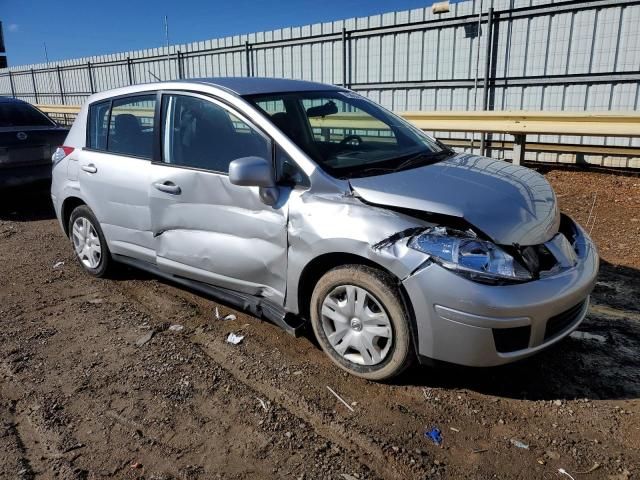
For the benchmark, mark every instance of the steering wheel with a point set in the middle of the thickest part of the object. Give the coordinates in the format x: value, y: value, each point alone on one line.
x: 349, y: 138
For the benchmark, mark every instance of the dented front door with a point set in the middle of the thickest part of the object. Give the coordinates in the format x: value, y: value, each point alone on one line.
x: 204, y: 227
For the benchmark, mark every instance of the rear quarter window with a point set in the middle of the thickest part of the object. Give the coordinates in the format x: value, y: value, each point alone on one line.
x: 98, y: 125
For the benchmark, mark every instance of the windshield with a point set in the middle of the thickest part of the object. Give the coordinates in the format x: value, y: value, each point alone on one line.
x: 348, y: 135
x: 14, y: 114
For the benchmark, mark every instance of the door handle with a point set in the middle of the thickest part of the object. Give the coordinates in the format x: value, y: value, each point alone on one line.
x: 91, y: 168
x: 168, y: 187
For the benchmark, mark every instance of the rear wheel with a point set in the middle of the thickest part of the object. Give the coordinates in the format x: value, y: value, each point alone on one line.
x: 360, y: 321
x: 88, y: 241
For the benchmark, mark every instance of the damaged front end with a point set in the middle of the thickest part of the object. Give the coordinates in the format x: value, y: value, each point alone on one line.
x: 477, y: 258
x: 463, y: 252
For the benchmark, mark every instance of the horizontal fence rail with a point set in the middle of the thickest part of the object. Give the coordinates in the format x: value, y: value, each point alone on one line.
x: 518, y: 123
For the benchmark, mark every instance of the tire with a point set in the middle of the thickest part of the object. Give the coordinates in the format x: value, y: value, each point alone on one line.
x: 95, y: 264
x: 372, y: 347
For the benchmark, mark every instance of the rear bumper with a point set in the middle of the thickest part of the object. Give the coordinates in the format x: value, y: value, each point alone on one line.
x: 24, y: 175
x: 468, y: 323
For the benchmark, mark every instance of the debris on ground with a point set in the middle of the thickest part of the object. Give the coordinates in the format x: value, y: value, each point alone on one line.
x: 340, y: 398
x: 235, y: 339
x: 519, y: 444
x: 58, y: 265
x: 562, y: 471
x: 587, y: 336
x: 263, y: 404
x: 346, y: 476
x: 145, y: 338
x: 230, y: 316
x: 135, y: 465
x: 176, y: 328
x: 453, y: 429
x: 435, y: 435
x: 479, y: 450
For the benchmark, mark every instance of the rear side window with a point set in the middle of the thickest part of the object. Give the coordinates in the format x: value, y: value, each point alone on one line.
x: 98, y: 122
x: 131, y: 126
x: 15, y: 114
x: 200, y: 134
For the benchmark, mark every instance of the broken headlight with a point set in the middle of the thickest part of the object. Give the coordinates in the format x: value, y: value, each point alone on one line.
x: 464, y: 253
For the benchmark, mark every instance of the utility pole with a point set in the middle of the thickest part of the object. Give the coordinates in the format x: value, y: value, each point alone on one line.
x: 166, y: 36
x: 46, y: 58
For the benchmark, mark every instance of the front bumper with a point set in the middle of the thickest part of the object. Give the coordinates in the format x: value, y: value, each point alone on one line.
x: 469, y: 323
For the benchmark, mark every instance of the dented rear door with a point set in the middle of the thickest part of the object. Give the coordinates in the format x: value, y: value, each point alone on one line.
x: 204, y: 227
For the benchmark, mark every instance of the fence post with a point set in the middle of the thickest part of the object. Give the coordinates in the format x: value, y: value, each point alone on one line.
x: 90, y: 73
x: 33, y: 82
x: 179, y: 60
x: 130, y: 71
x: 13, y: 90
x: 487, y: 70
x: 60, y: 84
x: 344, y: 57
x: 518, y: 149
x: 247, y: 54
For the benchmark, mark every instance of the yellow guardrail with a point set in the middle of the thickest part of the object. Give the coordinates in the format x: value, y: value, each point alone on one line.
x: 516, y: 123
x: 61, y: 109
x: 606, y: 124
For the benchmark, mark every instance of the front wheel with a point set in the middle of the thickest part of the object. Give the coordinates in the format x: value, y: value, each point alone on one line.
x: 360, y: 321
x: 88, y: 241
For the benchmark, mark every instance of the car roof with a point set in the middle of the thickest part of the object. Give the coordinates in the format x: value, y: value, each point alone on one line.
x: 263, y: 85
x: 11, y: 100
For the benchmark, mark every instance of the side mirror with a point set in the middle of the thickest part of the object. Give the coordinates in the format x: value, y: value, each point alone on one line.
x: 255, y: 172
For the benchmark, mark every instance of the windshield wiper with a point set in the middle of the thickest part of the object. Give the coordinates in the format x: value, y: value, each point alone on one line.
x: 369, y: 170
x: 431, y: 157
x: 422, y: 156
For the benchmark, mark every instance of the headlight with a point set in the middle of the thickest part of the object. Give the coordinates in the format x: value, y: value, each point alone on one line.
x: 464, y: 253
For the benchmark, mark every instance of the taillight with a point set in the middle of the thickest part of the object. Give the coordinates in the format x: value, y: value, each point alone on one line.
x: 61, y: 153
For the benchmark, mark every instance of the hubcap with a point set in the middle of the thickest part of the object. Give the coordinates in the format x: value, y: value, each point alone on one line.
x: 356, y: 325
x: 86, y: 242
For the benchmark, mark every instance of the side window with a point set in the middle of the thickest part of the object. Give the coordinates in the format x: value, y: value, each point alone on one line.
x: 98, y: 118
x: 200, y: 134
x: 131, y: 126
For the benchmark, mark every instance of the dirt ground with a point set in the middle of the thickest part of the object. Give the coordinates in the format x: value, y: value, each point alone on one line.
x: 94, y: 384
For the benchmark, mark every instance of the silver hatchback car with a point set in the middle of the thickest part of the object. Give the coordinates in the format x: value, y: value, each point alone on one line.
x: 303, y: 202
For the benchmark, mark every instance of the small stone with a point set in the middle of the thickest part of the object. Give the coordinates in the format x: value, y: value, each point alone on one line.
x: 552, y: 455
x: 145, y: 338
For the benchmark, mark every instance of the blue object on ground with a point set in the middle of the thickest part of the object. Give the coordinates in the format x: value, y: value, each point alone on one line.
x: 435, y: 435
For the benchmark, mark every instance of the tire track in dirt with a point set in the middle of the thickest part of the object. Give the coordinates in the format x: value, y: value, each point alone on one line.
x: 371, y: 455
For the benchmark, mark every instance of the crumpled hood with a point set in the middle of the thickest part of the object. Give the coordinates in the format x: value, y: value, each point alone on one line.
x: 510, y: 204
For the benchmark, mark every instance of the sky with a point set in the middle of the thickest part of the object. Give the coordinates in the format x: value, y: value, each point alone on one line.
x: 79, y: 28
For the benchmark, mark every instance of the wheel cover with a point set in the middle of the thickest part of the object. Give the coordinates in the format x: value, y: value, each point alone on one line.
x: 356, y: 325
x: 86, y: 242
